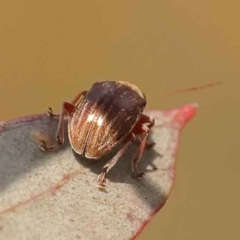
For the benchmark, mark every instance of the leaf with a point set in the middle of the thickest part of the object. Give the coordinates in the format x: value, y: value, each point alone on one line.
x: 55, y: 195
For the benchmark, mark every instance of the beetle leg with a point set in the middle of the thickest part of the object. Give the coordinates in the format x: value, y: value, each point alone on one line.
x: 66, y: 108
x: 148, y: 145
x: 146, y: 120
x: 73, y: 102
x: 141, y: 128
x: 135, y: 161
x: 102, y: 176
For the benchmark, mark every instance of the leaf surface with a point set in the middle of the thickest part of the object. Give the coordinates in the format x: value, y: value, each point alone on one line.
x: 55, y: 195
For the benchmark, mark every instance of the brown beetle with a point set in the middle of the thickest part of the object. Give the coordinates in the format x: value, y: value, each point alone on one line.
x: 110, y: 113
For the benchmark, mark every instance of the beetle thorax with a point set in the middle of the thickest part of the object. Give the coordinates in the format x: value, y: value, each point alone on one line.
x: 133, y: 87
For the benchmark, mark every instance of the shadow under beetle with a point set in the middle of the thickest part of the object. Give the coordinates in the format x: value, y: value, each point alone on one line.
x: 110, y: 113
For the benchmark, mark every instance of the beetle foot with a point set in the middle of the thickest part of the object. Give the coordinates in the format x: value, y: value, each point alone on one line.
x: 138, y: 175
x: 102, y: 185
x: 43, y: 146
x: 101, y: 180
x: 50, y: 112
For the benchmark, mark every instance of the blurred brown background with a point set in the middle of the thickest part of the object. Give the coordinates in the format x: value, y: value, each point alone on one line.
x: 50, y: 50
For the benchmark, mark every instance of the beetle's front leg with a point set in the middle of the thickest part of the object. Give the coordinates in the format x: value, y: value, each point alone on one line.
x: 143, y: 144
x: 149, y: 121
x: 73, y: 102
x: 102, y: 176
x: 66, y: 108
x: 142, y: 128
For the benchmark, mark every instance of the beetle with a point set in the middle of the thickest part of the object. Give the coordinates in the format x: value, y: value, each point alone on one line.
x: 109, y: 114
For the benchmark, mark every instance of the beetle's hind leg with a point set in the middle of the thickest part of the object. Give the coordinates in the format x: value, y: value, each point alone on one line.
x: 143, y: 128
x: 66, y: 108
x: 102, y: 176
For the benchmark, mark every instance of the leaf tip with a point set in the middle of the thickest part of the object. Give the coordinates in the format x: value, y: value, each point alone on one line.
x: 184, y: 114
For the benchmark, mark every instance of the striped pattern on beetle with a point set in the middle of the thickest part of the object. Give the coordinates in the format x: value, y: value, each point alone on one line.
x: 109, y: 113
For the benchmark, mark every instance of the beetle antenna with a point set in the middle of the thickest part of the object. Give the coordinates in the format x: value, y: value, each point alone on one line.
x: 192, y: 89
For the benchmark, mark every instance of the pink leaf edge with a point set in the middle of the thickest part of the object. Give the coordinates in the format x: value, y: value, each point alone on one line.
x: 21, y: 191
x: 180, y: 116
